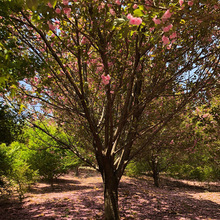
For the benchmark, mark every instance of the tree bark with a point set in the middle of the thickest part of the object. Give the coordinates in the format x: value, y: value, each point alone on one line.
x: 155, y: 170
x: 156, y: 178
x: 111, y: 199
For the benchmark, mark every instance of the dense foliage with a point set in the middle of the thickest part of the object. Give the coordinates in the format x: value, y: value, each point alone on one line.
x: 11, y: 124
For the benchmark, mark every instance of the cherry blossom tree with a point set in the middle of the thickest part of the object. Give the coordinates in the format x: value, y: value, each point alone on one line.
x: 106, y: 63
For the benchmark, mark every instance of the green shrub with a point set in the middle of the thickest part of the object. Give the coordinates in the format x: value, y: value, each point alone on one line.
x: 136, y: 168
x: 50, y: 162
x: 5, y: 167
x: 47, y: 156
x: 18, y: 175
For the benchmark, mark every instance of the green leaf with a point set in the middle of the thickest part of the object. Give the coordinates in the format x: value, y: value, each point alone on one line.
x: 118, y: 21
x: 53, y: 2
x: 138, y: 13
x: 21, y: 108
x: 32, y: 4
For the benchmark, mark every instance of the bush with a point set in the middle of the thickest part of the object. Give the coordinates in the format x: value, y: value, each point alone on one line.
x: 18, y: 176
x: 186, y: 171
x: 136, y: 168
x: 47, y: 156
x: 51, y: 162
x: 5, y: 167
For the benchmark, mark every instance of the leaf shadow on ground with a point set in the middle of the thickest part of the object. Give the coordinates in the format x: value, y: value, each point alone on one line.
x: 59, y: 185
x: 138, y: 199
x: 141, y: 201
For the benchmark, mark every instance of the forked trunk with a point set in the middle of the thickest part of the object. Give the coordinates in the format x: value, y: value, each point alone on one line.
x: 111, y: 200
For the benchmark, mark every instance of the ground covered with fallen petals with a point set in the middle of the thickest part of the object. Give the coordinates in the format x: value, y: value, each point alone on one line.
x: 82, y: 198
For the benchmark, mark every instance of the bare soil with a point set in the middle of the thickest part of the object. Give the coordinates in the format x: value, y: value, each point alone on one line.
x: 82, y: 198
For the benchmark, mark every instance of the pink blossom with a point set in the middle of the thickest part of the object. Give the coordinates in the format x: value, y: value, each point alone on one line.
x: 105, y: 79
x: 51, y: 26
x: 84, y: 40
x: 50, y: 5
x: 129, y: 16
x: 215, y: 7
x: 112, y: 12
x: 167, y: 28
x: 67, y: 11
x: 151, y: 29
x: 171, y: 142
x: 205, y: 115
x: 190, y: 3
x: 156, y: 21
x: 166, y: 15
x: 173, y: 35
x: 65, y: 2
x: 181, y: 2
x: 118, y: 2
x: 148, y: 2
x: 135, y: 21
x: 165, y: 40
x: 135, y: 6
x: 169, y: 46
x: 35, y: 79
x: 58, y: 11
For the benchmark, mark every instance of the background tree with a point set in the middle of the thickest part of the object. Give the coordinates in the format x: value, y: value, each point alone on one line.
x: 46, y: 156
x: 106, y: 62
x: 201, y: 153
x: 11, y: 125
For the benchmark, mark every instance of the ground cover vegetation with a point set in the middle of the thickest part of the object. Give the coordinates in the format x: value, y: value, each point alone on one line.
x: 118, y: 80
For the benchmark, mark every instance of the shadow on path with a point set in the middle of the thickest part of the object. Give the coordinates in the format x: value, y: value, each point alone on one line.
x: 82, y: 198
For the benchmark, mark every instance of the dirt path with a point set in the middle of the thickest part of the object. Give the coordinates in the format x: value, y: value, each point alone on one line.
x: 82, y: 198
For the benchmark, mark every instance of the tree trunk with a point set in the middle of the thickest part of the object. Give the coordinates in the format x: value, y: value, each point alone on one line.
x: 156, y: 178
x: 111, y: 199
x: 77, y: 171
x: 155, y: 170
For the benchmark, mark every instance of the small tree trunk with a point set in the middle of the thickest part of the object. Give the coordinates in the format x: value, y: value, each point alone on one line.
x: 77, y: 171
x: 155, y: 170
x: 156, y: 178
x: 111, y: 200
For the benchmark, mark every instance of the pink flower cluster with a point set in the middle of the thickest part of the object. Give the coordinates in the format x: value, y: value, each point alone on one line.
x: 65, y: 2
x: 67, y: 11
x: 167, y: 28
x: 118, y: 2
x: 51, y: 26
x: 166, y: 15
x: 156, y: 21
x: 105, y: 79
x: 134, y: 20
x: 165, y: 40
x: 58, y: 11
x: 190, y: 3
x: 181, y: 2
x: 173, y: 35
x: 112, y: 12
x: 50, y: 5
x: 84, y: 40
